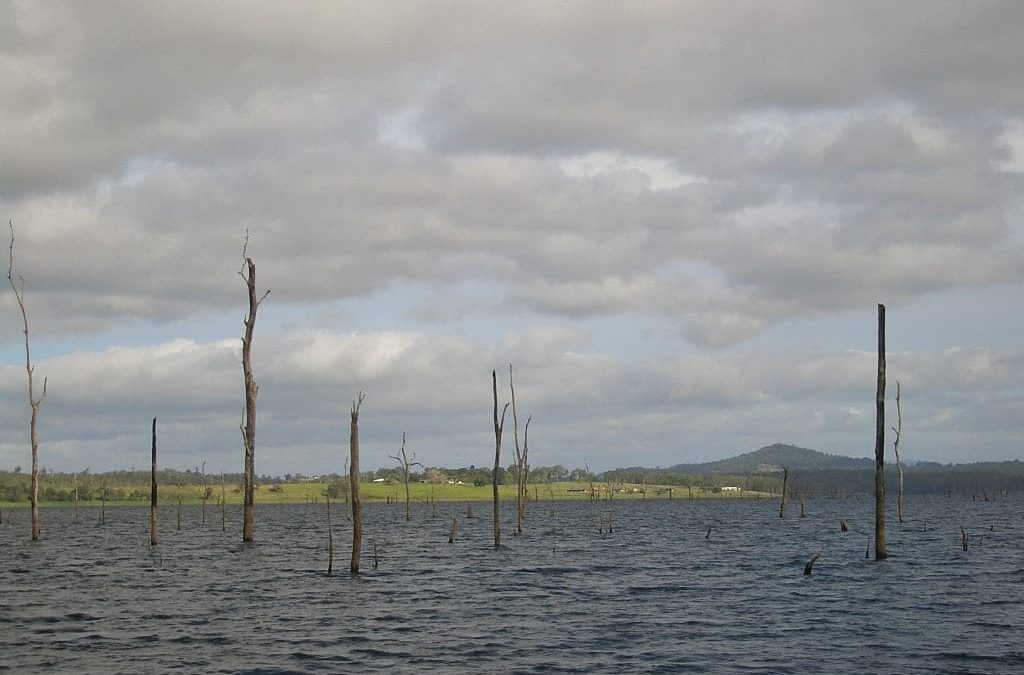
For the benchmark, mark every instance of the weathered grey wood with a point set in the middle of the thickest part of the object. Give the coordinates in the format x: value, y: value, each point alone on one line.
x: 248, y: 427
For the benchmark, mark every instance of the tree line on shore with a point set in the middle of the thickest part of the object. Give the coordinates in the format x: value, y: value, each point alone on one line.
x: 983, y: 478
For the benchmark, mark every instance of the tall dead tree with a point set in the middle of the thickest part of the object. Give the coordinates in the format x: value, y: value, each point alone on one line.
x: 33, y: 402
x: 248, y: 426
x: 881, y: 553
x: 405, y: 463
x: 521, y: 459
x: 357, y: 504
x: 153, y: 493
x: 498, y: 428
x: 897, y: 430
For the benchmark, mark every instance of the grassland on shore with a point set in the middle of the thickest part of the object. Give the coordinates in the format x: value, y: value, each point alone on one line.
x: 314, y: 492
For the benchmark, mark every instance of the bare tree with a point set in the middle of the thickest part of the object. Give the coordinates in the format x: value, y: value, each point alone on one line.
x: 33, y: 402
x: 153, y: 493
x: 248, y: 426
x: 522, y: 458
x: 785, y: 480
x: 498, y: 428
x: 103, y: 505
x: 897, y: 430
x: 205, y: 489
x: 330, y: 535
x: 405, y: 463
x: 223, y: 504
x: 178, y: 485
x: 357, y: 505
x: 881, y: 552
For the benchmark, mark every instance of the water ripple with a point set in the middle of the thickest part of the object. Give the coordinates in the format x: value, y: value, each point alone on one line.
x: 657, y: 595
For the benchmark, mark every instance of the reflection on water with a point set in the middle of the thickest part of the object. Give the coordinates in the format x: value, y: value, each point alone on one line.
x: 656, y: 595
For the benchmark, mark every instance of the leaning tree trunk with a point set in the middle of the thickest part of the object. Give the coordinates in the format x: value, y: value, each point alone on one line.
x: 248, y: 428
x: 153, y: 493
x: 357, y: 505
x: 33, y: 402
x: 881, y: 553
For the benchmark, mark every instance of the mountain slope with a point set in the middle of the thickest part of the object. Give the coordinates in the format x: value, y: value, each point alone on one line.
x: 771, y: 458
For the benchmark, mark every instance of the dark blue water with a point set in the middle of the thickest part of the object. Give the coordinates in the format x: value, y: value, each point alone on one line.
x: 654, y: 596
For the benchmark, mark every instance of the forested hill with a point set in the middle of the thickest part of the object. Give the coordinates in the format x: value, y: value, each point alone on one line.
x: 772, y: 458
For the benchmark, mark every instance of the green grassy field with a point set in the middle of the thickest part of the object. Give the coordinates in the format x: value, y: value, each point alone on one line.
x: 300, y: 493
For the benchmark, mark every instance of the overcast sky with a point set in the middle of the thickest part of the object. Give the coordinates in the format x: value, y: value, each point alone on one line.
x: 674, y: 219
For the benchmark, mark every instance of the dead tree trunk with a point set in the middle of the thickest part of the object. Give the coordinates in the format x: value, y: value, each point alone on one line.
x: 179, y: 506
x: 785, y: 480
x: 522, y: 458
x: 357, y: 504
x: 405, y: 463
x: 330, y: 536
x: 451, y: 535
x: 206, y: 490
x: 498, y: 427
x: 810, y: 564
x: 897, y: 430
x: 223, y: 504
x: 881, y: 553
x: 33, y: 402
x: 248, y: 426
x: 153, y: 493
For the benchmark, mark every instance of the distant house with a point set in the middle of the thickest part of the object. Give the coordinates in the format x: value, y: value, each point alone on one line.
x: 730, y: 488
x: 378, y: 480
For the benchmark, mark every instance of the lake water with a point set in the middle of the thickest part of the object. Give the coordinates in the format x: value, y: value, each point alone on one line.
x: 657, y: 595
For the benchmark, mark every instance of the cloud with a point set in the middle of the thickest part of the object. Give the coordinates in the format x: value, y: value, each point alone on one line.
x: 715, y: 173
x: 437, y: 388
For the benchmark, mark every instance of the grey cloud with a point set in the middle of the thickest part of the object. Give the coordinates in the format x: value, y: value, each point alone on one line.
x: 438, y: 388
x: 819, y: 158
x: 146, y: 141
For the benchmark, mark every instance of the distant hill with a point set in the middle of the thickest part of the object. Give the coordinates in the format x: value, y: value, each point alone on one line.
x: 772, y: 458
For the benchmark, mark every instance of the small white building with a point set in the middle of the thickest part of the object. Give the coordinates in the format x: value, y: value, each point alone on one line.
x: 730, y: 488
